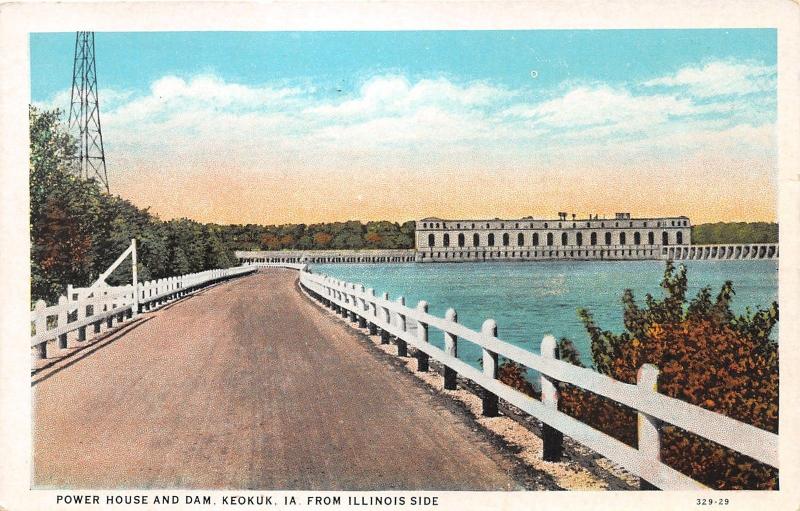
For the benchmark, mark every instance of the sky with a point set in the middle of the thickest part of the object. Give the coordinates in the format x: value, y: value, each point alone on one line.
x: 303, y: 127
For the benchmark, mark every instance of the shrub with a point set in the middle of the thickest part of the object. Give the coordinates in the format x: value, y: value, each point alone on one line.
x: 707, y: 356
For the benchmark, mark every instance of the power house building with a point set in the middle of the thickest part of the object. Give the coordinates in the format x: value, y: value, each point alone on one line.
x: 525, y: 239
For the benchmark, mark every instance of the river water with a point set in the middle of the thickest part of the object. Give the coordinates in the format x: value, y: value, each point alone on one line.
x: 529, y: 300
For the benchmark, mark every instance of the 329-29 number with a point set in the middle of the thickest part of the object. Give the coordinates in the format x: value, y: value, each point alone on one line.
x: 713, y: 502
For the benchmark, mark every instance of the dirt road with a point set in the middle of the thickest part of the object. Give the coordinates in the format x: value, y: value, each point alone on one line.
x: 249, y: 385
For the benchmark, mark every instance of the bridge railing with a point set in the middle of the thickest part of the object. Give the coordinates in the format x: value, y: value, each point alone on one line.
x: 393, y: 318
x: 293, y: 266
x: 84, y: 307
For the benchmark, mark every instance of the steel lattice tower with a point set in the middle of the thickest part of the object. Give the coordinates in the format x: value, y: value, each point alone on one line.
x: 84, y: 112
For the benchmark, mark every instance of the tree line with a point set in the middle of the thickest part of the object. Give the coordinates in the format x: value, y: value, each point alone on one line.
x: 735, y: 232
x: 77, y: 230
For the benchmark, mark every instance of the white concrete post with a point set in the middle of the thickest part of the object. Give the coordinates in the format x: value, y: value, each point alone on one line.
x: 41, y: 327
x: 490, y: 369
x: 422, y: 336
x: 81, y: 314
x: 649, y: 431
x: 552, y: 439
x: 362, y: 317
x: 451, y: 348
x: 402, y: 346
x: 372, y: 324
x: 135, y: 278
x: 62, y: 320
x: 387, y: 320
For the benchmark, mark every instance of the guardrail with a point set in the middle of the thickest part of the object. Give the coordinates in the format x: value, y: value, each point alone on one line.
x: 93, y: 306
x: 394, y: 318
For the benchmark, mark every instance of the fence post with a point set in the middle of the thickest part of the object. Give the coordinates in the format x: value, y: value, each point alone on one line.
x: 362, y: 318
x: 80, y: 316
x: 135, y: 278
x: 373, y: 327
x: 402, y: 346
x: 490, y: 368
x: 354, y: 302
x: 41, y: 328
x: 62, y: 320
x: 451, y: 348
x: 387, y: 320
x: 649, y: 429
x: 422, y: 335
x: 552, y: 439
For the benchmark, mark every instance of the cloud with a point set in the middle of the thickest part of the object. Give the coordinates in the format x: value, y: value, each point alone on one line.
x: 602, y: 105
x: 720, y: 78
x: 394, y: 122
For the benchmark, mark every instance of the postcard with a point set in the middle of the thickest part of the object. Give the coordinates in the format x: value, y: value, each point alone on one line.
x: 400, y: 255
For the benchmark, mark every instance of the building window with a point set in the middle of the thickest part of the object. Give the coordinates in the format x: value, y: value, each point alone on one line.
x: 431, y: 240
x: 520, y: 239
x: 446, y: 241
x: 491, y: 239
x: 637, y: 238
x: 535, y: 241
x: 664, y: 238
x: 549, y: 239
x: 651, y: 240
x: 564, y: 238
x: 608, y: 238
x: 573, y: 225
x: 458, y: 226
x: 631, y: 225
x: 545, y: 225
x: 588, y: 224
x: 505, y: 239
x: 593, y: 238
x: 424, y: 225
x: 437, y: 225
x: 622, y: 238
x: 487, y: 226
x: 473, y: 226
x: 502, y: 226
x: 476, y: 240
x: 579, y: 239
x: 516, y: 225
x: 679, y: 238
x: 461, y: 239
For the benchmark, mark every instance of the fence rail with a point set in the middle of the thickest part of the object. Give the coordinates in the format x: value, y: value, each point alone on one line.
x: 394, y: 317
x: 82, y: 307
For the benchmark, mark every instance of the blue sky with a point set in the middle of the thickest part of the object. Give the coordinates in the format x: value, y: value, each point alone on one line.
x: 540, y: 111
x: 340, y: 60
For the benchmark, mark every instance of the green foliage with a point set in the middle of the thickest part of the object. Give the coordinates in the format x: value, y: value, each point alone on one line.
x: 77, y: 231
x: 708, y: 356
x: 735, y: 232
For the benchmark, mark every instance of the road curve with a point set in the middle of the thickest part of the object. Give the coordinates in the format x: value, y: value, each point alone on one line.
x: 250, y: 385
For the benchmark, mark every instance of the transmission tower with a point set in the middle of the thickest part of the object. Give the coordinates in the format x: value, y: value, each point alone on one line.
x: 84, y: 112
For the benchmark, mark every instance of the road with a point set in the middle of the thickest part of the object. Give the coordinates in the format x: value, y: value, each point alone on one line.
x: 250, y: 385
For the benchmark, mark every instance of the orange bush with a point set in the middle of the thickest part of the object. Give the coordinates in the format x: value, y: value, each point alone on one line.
x: 707, y: 356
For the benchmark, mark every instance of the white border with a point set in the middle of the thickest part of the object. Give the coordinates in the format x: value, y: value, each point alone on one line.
x: 19, y: 19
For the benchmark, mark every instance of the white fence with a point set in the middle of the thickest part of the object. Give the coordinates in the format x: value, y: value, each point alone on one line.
x: 92, y: 306
x: 393, y: 318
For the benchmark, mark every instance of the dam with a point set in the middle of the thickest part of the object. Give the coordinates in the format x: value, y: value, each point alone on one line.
x: 619, y: 238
